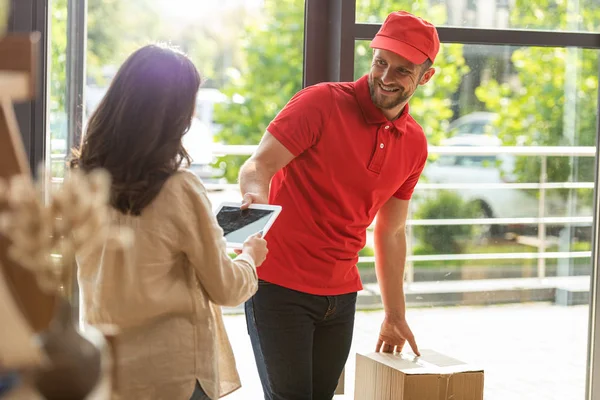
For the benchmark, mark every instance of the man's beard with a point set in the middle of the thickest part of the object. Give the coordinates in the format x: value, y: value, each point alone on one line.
x: 387, y: 102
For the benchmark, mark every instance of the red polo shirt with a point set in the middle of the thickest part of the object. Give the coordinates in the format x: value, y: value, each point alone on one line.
x: 349, y: 160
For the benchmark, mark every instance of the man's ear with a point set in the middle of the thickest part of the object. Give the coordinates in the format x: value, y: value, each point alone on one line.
x: 427, y: 76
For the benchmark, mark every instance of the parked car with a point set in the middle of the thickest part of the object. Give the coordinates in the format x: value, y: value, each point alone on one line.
x: 475, y: 169
x: 475, y: 123
x: 477, y: 129
x: 198, y: 143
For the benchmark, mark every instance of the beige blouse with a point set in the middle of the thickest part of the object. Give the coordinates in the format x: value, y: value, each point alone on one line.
x: 166, y: 301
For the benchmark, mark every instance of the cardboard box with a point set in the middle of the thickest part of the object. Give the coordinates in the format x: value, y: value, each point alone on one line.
x: 432, y: 376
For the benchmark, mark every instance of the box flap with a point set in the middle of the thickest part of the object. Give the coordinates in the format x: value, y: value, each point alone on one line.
x: 430, y: 362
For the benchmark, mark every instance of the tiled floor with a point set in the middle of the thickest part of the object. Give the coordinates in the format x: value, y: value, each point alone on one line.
x: 531, y: 351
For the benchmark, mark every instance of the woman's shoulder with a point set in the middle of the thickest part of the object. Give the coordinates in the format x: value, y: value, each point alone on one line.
x: 180, y: 189
x: 183, y: 200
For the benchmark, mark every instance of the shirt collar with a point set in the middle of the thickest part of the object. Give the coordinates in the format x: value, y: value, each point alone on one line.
x: 371, y: 113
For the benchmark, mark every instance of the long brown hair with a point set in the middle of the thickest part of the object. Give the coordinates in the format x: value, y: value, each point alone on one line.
x: 136, y: 132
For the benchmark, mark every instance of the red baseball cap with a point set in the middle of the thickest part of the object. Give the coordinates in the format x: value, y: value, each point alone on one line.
x: 408, y: 36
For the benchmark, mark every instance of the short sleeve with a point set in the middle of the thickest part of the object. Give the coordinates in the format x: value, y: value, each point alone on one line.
x: 408, y: 187
x: 299, y: 124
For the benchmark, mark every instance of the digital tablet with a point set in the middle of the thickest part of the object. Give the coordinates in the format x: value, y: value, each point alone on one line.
x: 238, y: 224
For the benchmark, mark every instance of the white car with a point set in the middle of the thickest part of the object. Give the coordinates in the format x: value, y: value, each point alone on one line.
x: 474, y: 170
x: 475, y: 123
x: 198, y: 142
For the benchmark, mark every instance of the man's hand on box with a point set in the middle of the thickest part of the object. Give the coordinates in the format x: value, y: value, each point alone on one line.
x: 394, y: 334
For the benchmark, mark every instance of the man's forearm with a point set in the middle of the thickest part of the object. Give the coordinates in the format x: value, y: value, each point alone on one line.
x: 253, y: 180
x: 390, y: 257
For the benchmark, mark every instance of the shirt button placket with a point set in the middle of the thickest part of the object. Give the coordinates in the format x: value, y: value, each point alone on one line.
x: 378, y: 156
x: 381, y: 145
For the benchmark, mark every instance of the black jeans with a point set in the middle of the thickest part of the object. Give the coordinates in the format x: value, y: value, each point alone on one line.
x: 199, y: 393
x: 301, y: 341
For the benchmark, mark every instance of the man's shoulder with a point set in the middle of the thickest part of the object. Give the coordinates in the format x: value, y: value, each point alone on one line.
x: 333, y: 93
x: 314, y: 94
x: 332, y: 88
x: 325, y: 94
x: 414, y: 128
x: 417, y: 136
x: 343, y: 87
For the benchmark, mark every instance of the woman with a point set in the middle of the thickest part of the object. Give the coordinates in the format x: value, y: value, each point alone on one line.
x: 172, y: 342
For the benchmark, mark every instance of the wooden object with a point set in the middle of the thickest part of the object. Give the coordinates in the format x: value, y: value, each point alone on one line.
x: 17, y: 350
x: 18, y: 73
x: 433, y: 376
x: 22, y: 297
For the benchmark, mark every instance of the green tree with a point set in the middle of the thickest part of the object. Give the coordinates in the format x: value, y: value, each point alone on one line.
x: 105, y: 42
x: 116, y: 28
x: 214, y: 43
x: 270, y: 76
x: 272, y: 73
x: 443, y: 239
x: 105, y: 19
x: 58, y: 51
x: 554, y: 100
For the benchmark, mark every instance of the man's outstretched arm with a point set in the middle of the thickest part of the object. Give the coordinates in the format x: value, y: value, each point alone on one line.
x: 390, y: 258
x: 256, y: 173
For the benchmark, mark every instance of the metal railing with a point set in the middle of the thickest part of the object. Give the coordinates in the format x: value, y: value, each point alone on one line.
x: 540, y: 220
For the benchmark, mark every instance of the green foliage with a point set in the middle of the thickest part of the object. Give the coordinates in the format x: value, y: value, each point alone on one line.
x: 554, y: 100
x: 109, y: 39
x: 104, y: 41
x: 267, y: 72
x: 271, y: 75
x: 443, y: 239
x: 58, y: 50
x: 5, y: 7
x: 367, y: 251
x: 565, y: 15
x: 116, y: 28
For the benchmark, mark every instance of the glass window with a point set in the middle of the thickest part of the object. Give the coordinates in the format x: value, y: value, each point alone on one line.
x: 248, y: 76
x: 250, y: 54
x: 558, y: 15
x: 57, y: 114
x: 507, y: 97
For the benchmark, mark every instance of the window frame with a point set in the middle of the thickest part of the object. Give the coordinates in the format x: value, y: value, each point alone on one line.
x: 33, y: 16
x: 330, y: 34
